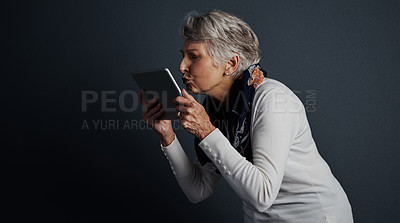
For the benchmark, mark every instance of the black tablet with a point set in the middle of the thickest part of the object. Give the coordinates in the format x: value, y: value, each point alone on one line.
x: 159, y: 83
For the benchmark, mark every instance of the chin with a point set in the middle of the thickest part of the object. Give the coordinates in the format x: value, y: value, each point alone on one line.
x: 191, y: 90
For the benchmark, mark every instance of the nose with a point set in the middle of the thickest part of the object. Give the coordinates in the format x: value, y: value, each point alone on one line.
x: 184, y: 66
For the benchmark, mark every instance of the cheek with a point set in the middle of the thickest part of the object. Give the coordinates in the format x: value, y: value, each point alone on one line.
x: 197, y: 72
x: 203, y: 74
x: 203, y: 69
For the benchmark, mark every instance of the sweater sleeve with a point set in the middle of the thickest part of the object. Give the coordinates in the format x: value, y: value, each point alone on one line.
x: 196, y: 181
x: 275, y: 118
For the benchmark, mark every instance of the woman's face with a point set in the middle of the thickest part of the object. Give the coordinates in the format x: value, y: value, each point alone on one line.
x: 199, y: 74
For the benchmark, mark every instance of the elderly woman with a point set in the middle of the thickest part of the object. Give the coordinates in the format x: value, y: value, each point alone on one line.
x: 251, y: 130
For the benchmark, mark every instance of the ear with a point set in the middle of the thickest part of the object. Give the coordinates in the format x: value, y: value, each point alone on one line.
x: 232, y: 64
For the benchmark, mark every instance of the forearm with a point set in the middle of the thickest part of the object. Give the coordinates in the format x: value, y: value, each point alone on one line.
x: 197, y: 182
x: 200, y: 182
x: 253, y: 185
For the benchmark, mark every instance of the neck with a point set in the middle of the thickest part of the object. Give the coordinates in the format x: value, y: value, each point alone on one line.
x: 221, y: 93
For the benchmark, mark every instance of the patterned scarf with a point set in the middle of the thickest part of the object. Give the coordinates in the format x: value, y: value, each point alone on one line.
x: 233, y: 119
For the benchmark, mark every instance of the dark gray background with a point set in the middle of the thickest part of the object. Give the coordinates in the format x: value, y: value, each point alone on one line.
x: 348, y: 52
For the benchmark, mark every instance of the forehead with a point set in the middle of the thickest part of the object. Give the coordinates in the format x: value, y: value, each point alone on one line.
x: 194, y: 46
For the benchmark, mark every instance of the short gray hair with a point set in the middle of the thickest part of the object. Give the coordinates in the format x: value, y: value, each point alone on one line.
x: 224, y: 35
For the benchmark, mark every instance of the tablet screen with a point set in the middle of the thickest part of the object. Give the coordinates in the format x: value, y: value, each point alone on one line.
x: 160, y: 84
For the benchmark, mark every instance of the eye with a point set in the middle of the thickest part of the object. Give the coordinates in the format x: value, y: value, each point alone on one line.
x: 193, y: 56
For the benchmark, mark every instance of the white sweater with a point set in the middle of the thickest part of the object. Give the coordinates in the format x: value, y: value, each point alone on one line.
x: 288, y: 180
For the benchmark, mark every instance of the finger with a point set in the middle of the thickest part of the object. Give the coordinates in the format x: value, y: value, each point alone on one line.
x: 182, y: 115
x: 185, y: 124
x: 141, y: 96
x: 187, y: 95
x: 158, y: 114
x: 181, y: 120
x: 183, y: 109
x: 152, y: 111
x: 155, y: 109
x: 152, y: 101
x: 182, y: 101
x: 151, y: 104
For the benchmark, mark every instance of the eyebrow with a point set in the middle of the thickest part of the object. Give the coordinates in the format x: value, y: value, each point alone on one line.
x: 189, y: 50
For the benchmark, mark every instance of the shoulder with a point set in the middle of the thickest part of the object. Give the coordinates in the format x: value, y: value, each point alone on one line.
x: 277, y: 108
x: 274, y: 93
x: 269, y: 85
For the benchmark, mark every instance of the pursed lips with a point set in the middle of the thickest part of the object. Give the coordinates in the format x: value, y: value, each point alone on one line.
x: 185, y: 81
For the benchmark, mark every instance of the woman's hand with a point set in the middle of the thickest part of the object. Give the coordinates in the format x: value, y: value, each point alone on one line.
x: 192, y: 116
x: 152, y: 111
